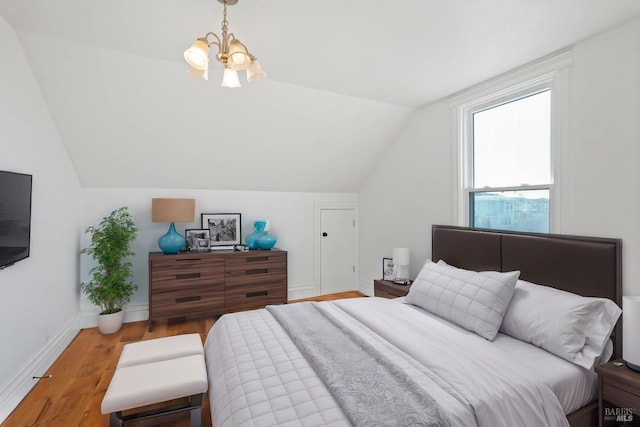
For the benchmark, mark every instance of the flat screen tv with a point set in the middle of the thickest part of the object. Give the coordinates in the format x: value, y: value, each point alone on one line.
x: 15, y: 217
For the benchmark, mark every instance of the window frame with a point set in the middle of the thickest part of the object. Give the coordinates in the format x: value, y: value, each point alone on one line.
x: 549, y: 73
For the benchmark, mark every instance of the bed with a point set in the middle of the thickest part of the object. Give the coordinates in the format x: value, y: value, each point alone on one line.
x: 373, y: 361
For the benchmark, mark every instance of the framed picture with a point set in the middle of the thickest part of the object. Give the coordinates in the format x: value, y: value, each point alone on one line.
x: 224, y: 228
x: 198, y: 239
x: 387, y: 268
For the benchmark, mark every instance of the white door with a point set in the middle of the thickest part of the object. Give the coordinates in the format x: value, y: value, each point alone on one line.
x: 337, y: 251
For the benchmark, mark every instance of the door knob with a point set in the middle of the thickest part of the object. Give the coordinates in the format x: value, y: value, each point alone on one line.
x: 324, y: 234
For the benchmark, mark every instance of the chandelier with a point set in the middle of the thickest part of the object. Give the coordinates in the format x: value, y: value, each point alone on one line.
x: 233, y: 55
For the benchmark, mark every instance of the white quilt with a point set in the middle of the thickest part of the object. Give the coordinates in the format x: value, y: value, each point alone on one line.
x: 257, y: 376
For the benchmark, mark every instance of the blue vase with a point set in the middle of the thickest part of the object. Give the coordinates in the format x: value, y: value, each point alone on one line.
x: 172, y: 242
x: 260, y: 239
x: 252, y: 239
x: 266, y: 241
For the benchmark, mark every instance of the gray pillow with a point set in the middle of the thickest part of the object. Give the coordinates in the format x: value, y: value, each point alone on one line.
x: 476, y: 301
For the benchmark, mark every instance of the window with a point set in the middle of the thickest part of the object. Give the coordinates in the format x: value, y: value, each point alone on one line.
x: 508, y: 149
x: 511, y: 176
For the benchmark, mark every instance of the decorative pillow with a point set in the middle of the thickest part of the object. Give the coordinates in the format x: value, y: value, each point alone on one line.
x: 475, y: 301
x: 571, y: 326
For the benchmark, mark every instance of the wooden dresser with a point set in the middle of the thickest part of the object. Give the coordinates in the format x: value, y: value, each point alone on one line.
x: 199, y: 283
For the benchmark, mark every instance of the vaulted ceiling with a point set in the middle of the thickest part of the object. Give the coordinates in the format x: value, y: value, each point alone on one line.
x: 343, y: 79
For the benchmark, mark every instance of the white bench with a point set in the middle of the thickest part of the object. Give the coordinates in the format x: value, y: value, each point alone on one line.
x: 154, y: 371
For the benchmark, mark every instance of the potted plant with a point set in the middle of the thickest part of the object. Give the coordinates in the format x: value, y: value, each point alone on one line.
x: 110, y: 288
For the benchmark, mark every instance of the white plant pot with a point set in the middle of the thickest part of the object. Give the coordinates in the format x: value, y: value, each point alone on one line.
x: 110, y: 323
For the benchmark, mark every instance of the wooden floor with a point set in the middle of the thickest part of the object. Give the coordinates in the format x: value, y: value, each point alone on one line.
x: 81, y: 375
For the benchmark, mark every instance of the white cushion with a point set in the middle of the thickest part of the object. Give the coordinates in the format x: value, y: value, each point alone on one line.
x: 140, y: 385
x: 571, y: 326
x: 159, y: 349
x: 476, y: 301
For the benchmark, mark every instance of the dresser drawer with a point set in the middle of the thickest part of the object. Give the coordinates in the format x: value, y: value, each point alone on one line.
x: 251, y: 262
x: 185, y: 261
x: 257, y: 269
x: 255, y: 295
x: 621, y: 394
x: 173, y: 275
x: 189, y: 301
x: 384, y: 294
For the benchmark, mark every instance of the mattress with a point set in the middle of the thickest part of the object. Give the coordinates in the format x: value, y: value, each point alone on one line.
x: 257, y: 375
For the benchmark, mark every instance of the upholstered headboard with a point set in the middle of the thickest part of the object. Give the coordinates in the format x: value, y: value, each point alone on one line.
x: 588, y: 266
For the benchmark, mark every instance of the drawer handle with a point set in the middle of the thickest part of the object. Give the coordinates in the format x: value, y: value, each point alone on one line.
x: 187, y: 276
x: 187, y: 299
x: 257, y: 259
x: 256, y: 294
x: 258, y: 271
x: 188, y: 259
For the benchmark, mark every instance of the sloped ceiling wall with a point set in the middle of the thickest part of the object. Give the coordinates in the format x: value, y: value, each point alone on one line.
x: 133, y: 121
x: 344, y: 79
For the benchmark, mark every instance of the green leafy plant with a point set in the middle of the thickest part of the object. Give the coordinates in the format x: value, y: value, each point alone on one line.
x: 110, y: 245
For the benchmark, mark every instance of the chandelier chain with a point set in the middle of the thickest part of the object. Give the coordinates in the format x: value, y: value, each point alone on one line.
x: 225, y: 23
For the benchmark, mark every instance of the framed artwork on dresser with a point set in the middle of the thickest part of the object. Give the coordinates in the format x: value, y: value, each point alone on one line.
x: 224, y: 228
x: 198, y: 239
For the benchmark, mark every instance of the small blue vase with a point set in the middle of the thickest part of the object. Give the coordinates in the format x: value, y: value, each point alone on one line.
x: 266, y: 241
x: 172, y: 242
x: 252, y: 239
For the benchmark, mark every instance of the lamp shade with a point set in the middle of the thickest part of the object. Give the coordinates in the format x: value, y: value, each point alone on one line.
x: 255, y: 72
x: 631, y: 332
x: 401, y: 256
x: 198, y: 55
x: 173, y: 210
x: 238, y: 56
x: 230, y: 78
x: 401, y: 265
x: 199, y: 74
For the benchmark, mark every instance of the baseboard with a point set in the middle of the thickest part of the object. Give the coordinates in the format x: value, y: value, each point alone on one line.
x: 132, y: 313
x: 366, y: 286
x: 20, y: 385
x: 311, y: 290
x: 302, y: 291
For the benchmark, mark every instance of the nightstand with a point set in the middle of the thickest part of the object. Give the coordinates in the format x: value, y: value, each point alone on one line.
x: 388, y: 289
x: 618, y: 395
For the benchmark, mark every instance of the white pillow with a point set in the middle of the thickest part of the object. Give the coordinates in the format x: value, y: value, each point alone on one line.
x: 571, y: 326
x: 475, y: 301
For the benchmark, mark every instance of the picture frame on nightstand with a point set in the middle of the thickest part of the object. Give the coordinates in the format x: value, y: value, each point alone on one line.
x: 387, y: 268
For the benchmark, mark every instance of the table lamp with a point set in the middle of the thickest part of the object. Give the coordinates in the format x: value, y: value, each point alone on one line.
x: 172, y: 210
x: 631, y: 332
x: 401, y: 265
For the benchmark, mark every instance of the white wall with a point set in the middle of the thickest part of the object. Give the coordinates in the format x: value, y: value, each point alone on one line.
x: 412, y: 188
x: 38, y: 296
x: 291, y: 216
x: 604, y: 148
x: 408, y: 191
